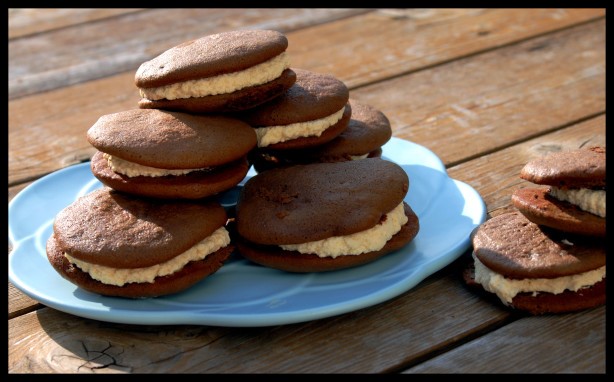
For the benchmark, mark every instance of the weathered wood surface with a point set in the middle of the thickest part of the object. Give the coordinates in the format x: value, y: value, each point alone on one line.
x: 485, y: 89
x: 533, y: 93
x: 429, y: 105
x: 387, y: 335
x: 49, y: 61
x: 353, y: 47
x: 519, y: 347
x: 28, y: 21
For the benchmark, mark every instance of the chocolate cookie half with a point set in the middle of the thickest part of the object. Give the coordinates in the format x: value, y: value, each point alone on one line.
x: 223, y: 72
x: 368, y: 130
x: 324, y: 216
x: 162, y: 154
x: 536, y: 270
x: 574, y: 200
x: 313, y: 111
x: 115, y: 244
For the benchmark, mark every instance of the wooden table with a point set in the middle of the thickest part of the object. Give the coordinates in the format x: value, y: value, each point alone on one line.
x: 485, y: 89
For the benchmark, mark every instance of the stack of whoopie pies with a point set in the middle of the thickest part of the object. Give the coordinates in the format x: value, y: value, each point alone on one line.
x: 549, y: 255
x: 209, y: 109
x: 156, y: 227
x: 366, y: 132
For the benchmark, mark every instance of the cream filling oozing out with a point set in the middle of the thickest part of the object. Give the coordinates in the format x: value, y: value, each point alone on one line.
x: 121, y: 276
x: 276, y: 134
x: 592, y: 201
x: 131, y: 169
x: 506, y: 288
x: 372, y: 239
x: 222, y: 84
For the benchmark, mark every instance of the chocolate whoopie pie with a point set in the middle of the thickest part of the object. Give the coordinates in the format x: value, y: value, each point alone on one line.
x: 223, y: 72
x: 574, y: 200
x: 536, y: 270
x: 324, y: 216
x: 311, y: 112
x: 163, y: 154
x: 368, y: 130
x: 115, y: 244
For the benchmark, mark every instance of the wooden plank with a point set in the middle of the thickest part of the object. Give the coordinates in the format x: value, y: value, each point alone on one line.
x: 95, y: 50
x: 411, y: 39
x: 60, y: 131
x: 482, y: 103
x: 28, y: 21
x: 531, y: 345
x: 407, y: 39
x: 19, y: 303
x: 472, y: 99
x: 326, y: 345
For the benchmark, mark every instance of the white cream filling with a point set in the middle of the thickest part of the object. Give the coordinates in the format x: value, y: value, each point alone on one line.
x: 592, y: 201
x: 372, y: 239
x: 116, y: 276
x: 506, y: 288
x: 276, y: 134
x: 358, y: 157
x: 131, y: 169
x: 222, y: 84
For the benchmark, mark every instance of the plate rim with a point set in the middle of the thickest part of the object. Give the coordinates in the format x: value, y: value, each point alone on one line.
x: 255, y: 319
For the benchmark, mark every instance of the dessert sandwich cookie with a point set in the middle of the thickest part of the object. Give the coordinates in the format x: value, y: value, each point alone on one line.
x: 163, y: 154
x: 536, y: 270
x: 223, y: 72
x: 115, y: 244
x: 313, y: 111
x: 574, y: 192
x: 324, y: 216
x: 368, y: 130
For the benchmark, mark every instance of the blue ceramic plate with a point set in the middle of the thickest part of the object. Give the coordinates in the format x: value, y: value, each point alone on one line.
x: 242, y: 294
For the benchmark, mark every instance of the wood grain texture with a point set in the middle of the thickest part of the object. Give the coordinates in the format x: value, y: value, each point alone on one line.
x: 533, y: 95
x: 406, y: 39
x: 520, y: 346
x: 20, y: 304
x: 487, y: 90
x: 371, y: 340
x: 28, y: 21
x: 48, y: 61
x: 500, y: 97
x: 386, y: 43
